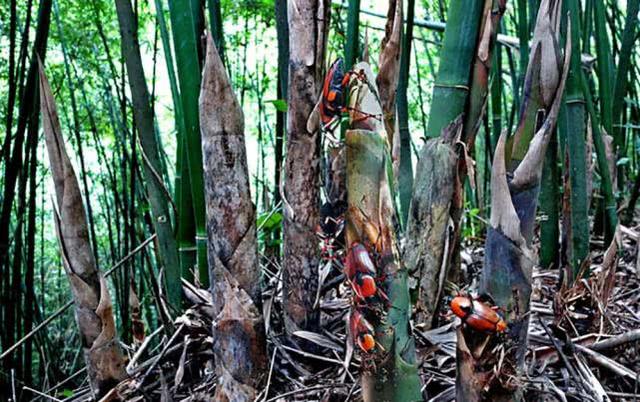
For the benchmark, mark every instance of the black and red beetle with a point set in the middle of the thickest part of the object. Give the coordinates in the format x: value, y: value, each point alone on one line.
x: 360, y: 271
x: 362, y: 331
x: 333, y: 96
x: 478, y: 314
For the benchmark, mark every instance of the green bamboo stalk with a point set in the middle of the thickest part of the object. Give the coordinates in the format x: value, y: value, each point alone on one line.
x: 492, y: 15
x: 459, y: 46
x: 587, y: 24
x: 523, y: 37
x: 217, y: 28
x: 549, y: 198
x: 577, y: 222
x: 605, y: 66
x: 143, y: 114
x: 606, y: 187
x: 353, y: 22
x: 185, y: 224
x: 622, y: 74
x: 187, y: 50
x: 405, y: 177
x: 496, y: 97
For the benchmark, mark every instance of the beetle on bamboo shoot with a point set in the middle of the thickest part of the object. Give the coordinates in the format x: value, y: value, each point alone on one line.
x: 362, y: 331
x: 477, y: 314
x: 360, y: 271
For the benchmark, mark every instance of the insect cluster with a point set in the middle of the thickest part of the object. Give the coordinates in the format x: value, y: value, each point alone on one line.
x: 361, y: 274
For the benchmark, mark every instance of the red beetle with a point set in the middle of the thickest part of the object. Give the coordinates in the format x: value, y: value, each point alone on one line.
x: 333, y: 97
x: 362, y: 331
x: 360, y: 271
x: 477, y: 314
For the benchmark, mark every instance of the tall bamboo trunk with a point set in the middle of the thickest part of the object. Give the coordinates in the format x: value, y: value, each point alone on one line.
x: 93, y: 309
x: 159, y: 197
x: 239, y: 338
x: 308, y: 24
x: 185, y: 24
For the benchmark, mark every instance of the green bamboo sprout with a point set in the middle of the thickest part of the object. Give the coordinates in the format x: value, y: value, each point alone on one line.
x: 540, y: 97
x: 390, y: 372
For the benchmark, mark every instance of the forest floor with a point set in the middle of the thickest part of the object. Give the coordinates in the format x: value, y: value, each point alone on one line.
x: 596, y: 353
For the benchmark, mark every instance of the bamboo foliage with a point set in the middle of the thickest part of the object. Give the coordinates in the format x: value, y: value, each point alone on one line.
x: 390, y: 372
x: 239, y: 339
x: 93, y: 308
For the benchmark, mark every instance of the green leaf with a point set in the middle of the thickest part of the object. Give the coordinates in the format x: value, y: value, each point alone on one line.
x: 268, y: 222
x: 280, y: 104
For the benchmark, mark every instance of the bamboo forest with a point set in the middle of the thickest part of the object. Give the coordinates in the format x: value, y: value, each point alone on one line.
x: 320, y: 200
